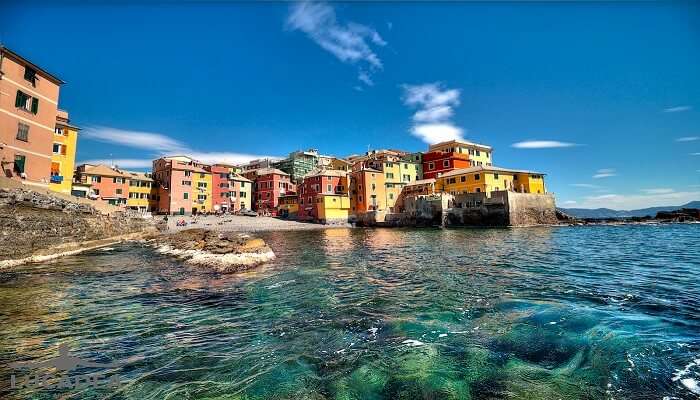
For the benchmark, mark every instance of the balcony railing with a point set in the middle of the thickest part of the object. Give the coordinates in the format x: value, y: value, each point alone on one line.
x: 56, y: 178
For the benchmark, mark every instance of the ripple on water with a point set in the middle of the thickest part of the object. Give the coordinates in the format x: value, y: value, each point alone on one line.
x: 565, y: 313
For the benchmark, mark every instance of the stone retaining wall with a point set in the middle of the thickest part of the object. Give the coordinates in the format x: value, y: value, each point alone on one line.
x: 34, y: 223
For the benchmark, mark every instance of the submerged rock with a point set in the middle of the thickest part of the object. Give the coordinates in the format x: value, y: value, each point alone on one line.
x: 221, y: 251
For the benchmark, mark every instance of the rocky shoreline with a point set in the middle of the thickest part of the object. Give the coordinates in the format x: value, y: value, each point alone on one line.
x: 683, y: 215
x: 223, y: 252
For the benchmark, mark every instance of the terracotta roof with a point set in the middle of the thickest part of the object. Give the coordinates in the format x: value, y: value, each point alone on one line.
x: 267, y: 171
x: 141, y: 176
x: 104, y: 170
x: 458, y: 142
x: 326, y: 172
x: 486, y: 168
x: 239, y: 177
x: 421, y: 182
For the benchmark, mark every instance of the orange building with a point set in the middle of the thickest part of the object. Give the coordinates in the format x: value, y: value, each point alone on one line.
x: 367, y: 189
x: 28, y: 110
x: 106, y: 183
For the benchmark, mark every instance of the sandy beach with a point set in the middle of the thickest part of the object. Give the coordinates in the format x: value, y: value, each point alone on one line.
x: 236, y: 223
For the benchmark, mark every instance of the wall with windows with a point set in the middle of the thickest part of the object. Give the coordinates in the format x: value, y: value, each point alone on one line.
x: 63, y: 157
x: 28, y: 108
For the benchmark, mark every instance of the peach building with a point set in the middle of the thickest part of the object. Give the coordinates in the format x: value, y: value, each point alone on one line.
x: 28, y: 110
x: 106, y: 183
x: 173, y: 178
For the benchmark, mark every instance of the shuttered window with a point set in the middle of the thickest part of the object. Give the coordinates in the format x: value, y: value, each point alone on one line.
x: 23, y: 132
x: 27, y: 102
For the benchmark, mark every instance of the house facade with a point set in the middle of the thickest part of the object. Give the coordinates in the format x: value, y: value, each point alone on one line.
x: 323, y: 196
x: 64, y: 149
x: 106, y: 183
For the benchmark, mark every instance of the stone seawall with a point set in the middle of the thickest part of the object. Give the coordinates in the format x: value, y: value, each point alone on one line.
x: 497, y: 209
x: 36, y: 226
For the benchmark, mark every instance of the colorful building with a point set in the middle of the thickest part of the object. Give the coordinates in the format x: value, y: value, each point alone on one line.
x: 298, y: 164
x: 398, y: 172
x: 142, y: 193
x: 65, y: 140
x: 106, y: 183
x: 288, y: 206
x: 367, y: 189
x: 28, y: 110
x: 454, y: 154
x: 323, y: 197
x: 269, y: 185
x: 486, y: 179
x: 183, y: 185
x: 231, y: 192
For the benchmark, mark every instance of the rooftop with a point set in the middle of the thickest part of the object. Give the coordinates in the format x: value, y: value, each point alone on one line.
x: 457, y: 143
x: 103, y: 170
x: 487, y: 169
x: 53, y: 78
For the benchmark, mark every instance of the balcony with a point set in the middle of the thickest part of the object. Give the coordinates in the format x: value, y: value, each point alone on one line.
x: 56, y: 178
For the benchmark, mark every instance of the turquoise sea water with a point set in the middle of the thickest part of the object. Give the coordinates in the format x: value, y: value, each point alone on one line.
x: 600, y: 312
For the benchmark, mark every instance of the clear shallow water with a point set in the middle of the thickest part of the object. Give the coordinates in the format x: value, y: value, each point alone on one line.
x: 544, y: 313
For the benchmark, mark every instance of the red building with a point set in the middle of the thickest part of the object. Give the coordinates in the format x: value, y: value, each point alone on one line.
x: 270, y: 184
x: 229, y: 189
x: 322, y: 182
x: 439, y: 162
x: 108, y: 184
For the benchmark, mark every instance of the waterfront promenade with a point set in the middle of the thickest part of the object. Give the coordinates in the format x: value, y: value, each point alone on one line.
x: 237, y: 223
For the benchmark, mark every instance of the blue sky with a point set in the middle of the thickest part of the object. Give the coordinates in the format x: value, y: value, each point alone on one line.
x: 603, y: 97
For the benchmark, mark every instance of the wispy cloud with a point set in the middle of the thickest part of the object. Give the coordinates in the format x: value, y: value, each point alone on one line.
x: 688, y: 139
x: 695, y: 154
x: 431, y: 123
x: 157, y: 145
x: 541, y: 144
x: 585, y: 185
x: 677, y: 109
x: 569, y: 203
x: 122, y: 162
x: 658, y: 191
x: 605, y: 173
x: 364, y: 77
x: 137, y: 139
x: 350, y: 42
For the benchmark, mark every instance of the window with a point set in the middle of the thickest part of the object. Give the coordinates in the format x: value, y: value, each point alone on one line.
x: 56, y: 148
x: 391, y: 196
x: 329, y: 188
x: 186, y: 196
x: 118, y: 191
x: 201, y: 184
x: 359, y: 198
x: 476, y: 177
x: 30, y: 75
x: 462, y: 178
x: 495, y: 176
x: 431, y: 166
x: 96, y: 179
x: 23, y: 132
x: 96, y: 191
x: 478, y: 190
x: 446, y: 163
x: 19, y: 163
x: 478, y: 153
x: 188, y: 173
x: 407, y: 178
x: 27, y: 102
x: 187, y: 183
x: 201, y: 175
x: 117, y: 180
x: 389, y: 175
x: 232, y: 194
x: 201, y: 197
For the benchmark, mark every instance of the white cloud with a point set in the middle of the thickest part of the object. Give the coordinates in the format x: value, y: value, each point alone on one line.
x: 432, y: 120
x: 569, y: 203
x: 350, y: 42
x: 159, y: 145
x: 695, y: 154
x: 632, y: 202
x: 137, y: 139
x: 122, y: 162
x: 365, y: 78
x: 436, y: 133
x: 688, y: 139
x: 657, y: 191
x: 605, y: 173
x: 541, y: 144
x: 585, y: 185
x: 677, y: 109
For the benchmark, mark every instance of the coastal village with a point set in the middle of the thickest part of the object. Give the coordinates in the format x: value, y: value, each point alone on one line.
x: 38, y: 147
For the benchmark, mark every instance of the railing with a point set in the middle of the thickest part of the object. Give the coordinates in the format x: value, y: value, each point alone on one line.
x: 56, y: 178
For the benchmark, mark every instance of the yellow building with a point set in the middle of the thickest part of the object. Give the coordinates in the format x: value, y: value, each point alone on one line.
x: 243, y: 192
x: 65, y: 140
x: 141, y: 191
x: 202, y: 192
x: 288, y: 206
x: 487, y: 179
x: 479, y: 154
x: 397, y: 173
x: 332, y: 207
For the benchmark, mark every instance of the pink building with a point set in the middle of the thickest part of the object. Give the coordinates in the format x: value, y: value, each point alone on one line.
x: 107, y: 184
x: 320, y: 182
x: 230, y: 191
x: 173, y: 177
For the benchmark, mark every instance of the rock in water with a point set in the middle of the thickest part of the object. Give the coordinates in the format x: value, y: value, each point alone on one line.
x: 221, y: 251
